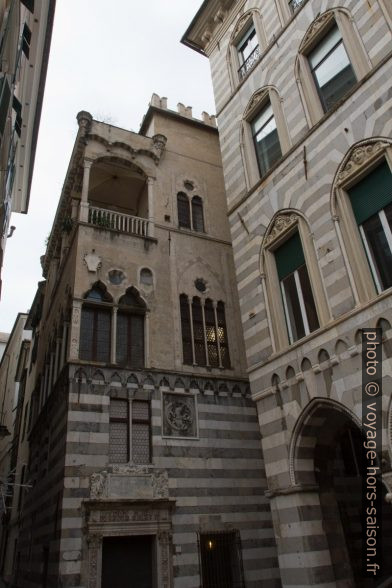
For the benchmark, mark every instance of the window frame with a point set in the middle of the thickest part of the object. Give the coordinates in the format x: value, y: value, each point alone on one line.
x: 259, y: 100
x: 360, y: 274
x: 246, y: 22
x: 283, y: 226
x: 194, y: 203
x: 354, y: 48
x: 130, y: 421
x: 187, y: 305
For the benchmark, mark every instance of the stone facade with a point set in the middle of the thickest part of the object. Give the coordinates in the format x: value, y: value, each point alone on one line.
x: 117, y: 233
x: 309, y: 391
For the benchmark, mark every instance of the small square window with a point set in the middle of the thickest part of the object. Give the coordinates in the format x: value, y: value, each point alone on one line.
x: 221, y: 560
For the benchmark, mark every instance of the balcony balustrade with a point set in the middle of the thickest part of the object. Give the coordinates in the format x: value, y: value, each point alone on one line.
x: 125, y: 223
x: 249, y: 63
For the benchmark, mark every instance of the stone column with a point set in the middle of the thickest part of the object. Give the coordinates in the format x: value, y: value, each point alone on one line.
x: 83, y: 211
x: 147, y: 355
x: 75, y: 330
x: 113, y: 335
x: 150, y: 192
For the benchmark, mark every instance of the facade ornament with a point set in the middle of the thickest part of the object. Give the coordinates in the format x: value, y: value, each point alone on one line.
x: 179, y: 415
x: 257, y: 98
x: 97, y: 485
x: 240, y: 24
x: 92, y: 261
x: 320, y: 22
x: 158, y: 145
x: 359, y: 157
x: 160, y: 484
x: 281, y: 224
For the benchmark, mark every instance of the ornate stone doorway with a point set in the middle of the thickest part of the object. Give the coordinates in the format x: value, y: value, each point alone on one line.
x: 126, y: 522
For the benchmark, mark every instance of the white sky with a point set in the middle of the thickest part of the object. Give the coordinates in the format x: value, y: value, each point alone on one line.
x: 107, y: 58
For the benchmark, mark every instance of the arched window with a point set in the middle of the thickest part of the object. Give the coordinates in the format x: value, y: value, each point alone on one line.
x: 130, y: 330
x: 247, y: 42
x: 95, y: 326
x: 204, y: 333
x: 331, y: 60
x: 362, y: 201
x: 197, y: 214
x: 293, y: 290
x: 266, y: 136
x: 184, y: 213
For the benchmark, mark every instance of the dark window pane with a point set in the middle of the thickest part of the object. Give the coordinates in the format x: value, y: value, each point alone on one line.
x: 388, y: 214
x: 95, y: 334
x: 26, y: 40
x: 130, y: 339
x: 247, y: 44
x: 222, y: 334
x: 379, y: 249
x: 197, y: 214
x: 331, y: 69
x: 310, y: 307
x: 293, y: 309
x: 5, y: 96
x: 265, y: 136
x: 29, y: 4
x: 186, y: 330
x: 212, y: 343
x: 184, y: 213
x: 198, y: 332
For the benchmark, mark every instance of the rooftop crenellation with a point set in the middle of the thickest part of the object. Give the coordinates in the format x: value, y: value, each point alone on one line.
x: 186, y: 111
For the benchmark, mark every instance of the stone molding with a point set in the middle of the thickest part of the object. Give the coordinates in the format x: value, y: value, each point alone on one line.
x: 359, y: 157
x: 282, y: 223
x: 144, y: 482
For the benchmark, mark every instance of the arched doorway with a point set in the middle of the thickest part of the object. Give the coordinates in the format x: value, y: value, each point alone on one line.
x: 326, y: 452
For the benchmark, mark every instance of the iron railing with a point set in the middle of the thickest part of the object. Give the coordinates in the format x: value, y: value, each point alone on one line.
x: 294, y: 4
x: 249, y: 63
x: 125, y: 223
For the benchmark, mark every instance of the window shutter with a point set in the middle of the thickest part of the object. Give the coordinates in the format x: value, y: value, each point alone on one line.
x: 372, y: 194
x: 289, y: 256
x: 197, y: 214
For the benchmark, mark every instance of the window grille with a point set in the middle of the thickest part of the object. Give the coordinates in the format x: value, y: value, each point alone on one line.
x: 212, y: 339
x: 198, y: 332
x: 95, y: 334
x: 186, y: 330
x: 120, y: 430
x: 220, y: 558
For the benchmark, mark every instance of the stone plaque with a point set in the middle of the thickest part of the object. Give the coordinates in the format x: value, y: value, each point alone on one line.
x: 179, y: 415
x: 130, y: 487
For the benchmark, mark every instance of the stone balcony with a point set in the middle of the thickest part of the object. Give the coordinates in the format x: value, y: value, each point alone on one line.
x: 124, y: 223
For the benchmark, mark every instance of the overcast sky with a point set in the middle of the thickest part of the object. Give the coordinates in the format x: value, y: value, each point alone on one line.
x: 107, y: 58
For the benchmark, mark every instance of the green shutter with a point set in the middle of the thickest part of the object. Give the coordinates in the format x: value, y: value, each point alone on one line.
x: 289, y: 256
x: 372, y: 194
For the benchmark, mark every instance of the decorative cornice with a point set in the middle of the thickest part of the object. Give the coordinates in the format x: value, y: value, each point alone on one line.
x: 258, y: 98
x: 359, y: 157
x: 313, y: 31
x: 282, y: 223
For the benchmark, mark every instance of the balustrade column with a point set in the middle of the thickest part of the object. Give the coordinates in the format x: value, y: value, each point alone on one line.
x: 150, y: 192
x: 83, y: 211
